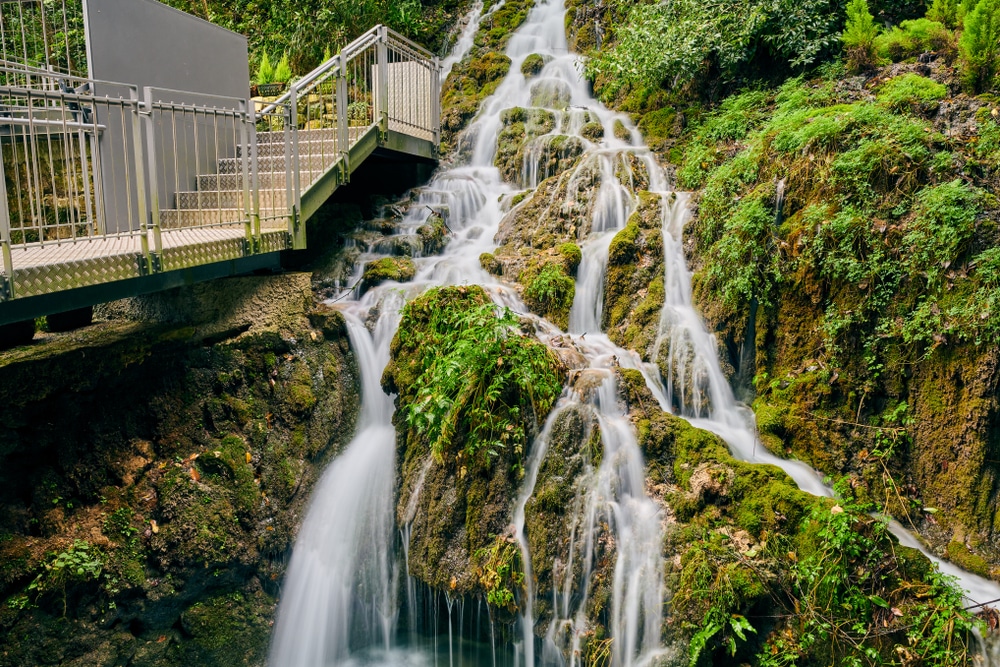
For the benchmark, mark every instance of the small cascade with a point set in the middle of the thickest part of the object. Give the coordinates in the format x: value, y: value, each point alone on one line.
x: 340, y: 586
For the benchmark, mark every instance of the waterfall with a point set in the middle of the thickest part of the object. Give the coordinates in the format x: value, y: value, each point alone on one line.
x: 340, y: 586
x: 339, y: 601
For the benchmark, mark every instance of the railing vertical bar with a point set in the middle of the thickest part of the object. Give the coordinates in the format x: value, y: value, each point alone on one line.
x: 6, y: 291
x: 37, y: 203
x: 154, y: 178
x: 140, y: 178
x: 435, y: 93
x: 54, y: 179
x: 382, y: 54
x: 293, y: 139
x: 251, y: 208
x: 343, y: 132
x: 290, y: 122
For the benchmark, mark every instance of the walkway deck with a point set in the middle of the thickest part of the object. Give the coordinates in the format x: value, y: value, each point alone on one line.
x: 132, y: 194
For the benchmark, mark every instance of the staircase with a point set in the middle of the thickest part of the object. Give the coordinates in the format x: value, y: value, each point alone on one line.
x: 218, y: 198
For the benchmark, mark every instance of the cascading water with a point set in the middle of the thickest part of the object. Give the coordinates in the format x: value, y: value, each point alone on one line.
x: 339, y: 601
x: 340, y: 589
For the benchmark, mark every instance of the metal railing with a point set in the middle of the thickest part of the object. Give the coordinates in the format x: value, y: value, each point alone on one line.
x: 98, y: 174
x: 39, y: 38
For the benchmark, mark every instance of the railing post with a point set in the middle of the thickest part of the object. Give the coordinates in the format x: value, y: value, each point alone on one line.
x: 436, y: 101
x: 343, y: 131
x: 154, y: 182
x: 6, y: 261
x: 152, y: 264
x: 382, y: 93
x: 293, y: 192
x: 292, y: 145
x: 251, y: 196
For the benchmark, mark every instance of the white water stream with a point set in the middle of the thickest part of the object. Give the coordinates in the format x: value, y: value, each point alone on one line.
x: 339, y: 601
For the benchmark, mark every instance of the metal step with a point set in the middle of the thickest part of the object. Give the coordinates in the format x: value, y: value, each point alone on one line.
x: 172, y: 218
x: 216, y: 199
x: 317, y: 162
x: 277, y: 149
x: 274, y: 180
x: 325, y: 134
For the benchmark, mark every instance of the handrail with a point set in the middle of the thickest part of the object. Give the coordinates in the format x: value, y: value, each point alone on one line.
x: 357, y: 45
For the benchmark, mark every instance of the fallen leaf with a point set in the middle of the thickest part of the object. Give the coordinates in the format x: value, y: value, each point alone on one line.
x: 153, y: 526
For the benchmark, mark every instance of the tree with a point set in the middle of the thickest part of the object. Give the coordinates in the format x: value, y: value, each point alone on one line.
x: 859, y: 36
x: 979, y: 46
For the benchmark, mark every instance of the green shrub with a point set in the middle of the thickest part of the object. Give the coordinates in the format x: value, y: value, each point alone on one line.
x: 283, y: 71
x: 979, y: 46
x: 81, y: 562
x: 944, y: 12
x: 910, y: 91
x: 674, y: 43
x: 911, y: 38
x: 859, y: 36
x: 265, y: 70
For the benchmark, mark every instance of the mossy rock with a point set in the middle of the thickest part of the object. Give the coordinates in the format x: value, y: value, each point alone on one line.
x: 229, y: 629
x: 550, y: 94
x: 549, y: 291
x: 398, y: 269
x: 621, y: 131
x: 593, y: 131
x: 433, y: 235
x: 532, y: 65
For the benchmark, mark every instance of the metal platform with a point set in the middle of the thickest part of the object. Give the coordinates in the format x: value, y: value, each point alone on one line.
x: 110, y: 190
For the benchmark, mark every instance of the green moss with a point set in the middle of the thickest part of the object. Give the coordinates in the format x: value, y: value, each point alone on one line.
x: 230, y: 629
x: 594, y: 131
x: 959, y: 554
x: 911, y: 92
x: 572, y: 255
x: 490, y: 264
x: 620, y: 131
x: 399, y: 269
x: 532, y: 65
x: 550, y: 293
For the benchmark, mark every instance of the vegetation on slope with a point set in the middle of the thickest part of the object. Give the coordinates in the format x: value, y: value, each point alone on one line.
x: 305, y: 30
x: 766, y: 574
x: 472, y: 391
x: 851, y: 207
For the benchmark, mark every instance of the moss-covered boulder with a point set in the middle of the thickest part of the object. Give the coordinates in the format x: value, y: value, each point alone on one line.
x: 532, y: 65
x: 397, y: 269
x: 633, y: 287
x: 471, y: 392
x: 764, y: 565
x: 433, y: 235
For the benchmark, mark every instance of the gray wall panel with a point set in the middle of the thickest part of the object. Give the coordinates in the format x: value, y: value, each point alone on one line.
x: 146, y: 43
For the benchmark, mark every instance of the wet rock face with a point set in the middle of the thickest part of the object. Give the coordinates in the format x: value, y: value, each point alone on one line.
x: 633, y: 288
x: 181, y: 457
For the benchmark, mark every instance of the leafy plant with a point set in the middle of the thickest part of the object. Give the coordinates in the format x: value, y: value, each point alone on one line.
x: 859, y: 36
x: 979, y: 46
x: 501, y: 573
x: 673, y: 43
x: 80, y: 562
x: 466, y: 376
x: 911, y: 38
